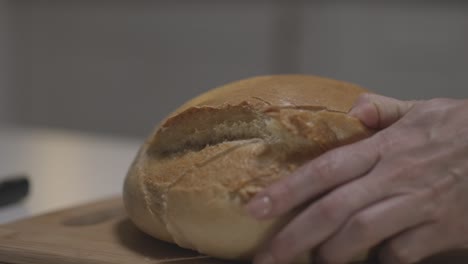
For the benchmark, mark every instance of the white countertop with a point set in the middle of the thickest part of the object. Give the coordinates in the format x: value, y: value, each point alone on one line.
x: 65, y: 168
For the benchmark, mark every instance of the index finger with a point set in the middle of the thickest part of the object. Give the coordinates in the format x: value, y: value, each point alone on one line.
x: 316, y: 177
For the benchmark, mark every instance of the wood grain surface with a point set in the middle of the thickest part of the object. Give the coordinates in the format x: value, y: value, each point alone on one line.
x: 101, y: 233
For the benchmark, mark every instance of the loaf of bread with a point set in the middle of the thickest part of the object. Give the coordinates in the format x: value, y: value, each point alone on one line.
x: 193, y: 176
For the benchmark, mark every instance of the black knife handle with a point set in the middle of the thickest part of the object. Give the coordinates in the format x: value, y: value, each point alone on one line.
x: 13, y: 189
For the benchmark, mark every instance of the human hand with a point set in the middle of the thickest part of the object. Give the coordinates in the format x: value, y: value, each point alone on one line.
x: 406, y: 188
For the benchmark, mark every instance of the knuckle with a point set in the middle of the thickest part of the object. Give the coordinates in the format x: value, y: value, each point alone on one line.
x: 427, y: 107
x: 430, y: 211
x: 385, y: 141
x: 323, y: 169
x: 281, y: 196
x: 391, y: 140
x: 326, y: 209
x: 435, y: 192
x: 361, y: 225
x: 444, y: 184
x: 432, y: 109
x: 438, y: 102
x: 414, y: 168
x: 409, y: 168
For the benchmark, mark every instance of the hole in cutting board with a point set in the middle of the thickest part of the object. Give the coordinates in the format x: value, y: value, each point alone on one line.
x: 94, y: 218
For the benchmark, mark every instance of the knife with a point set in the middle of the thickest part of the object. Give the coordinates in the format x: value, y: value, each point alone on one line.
x: 13, y: 189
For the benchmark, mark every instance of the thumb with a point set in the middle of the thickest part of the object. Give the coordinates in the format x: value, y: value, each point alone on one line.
x: 377, y: 111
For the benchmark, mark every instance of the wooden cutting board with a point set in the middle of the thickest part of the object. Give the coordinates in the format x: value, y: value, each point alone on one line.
x: 89, y: 234
x: 101, y: 233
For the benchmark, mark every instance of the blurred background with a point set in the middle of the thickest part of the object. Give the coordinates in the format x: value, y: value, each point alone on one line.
x: 118, y: 67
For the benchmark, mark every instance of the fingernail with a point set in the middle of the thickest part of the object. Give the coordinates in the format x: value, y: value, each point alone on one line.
x: 260, y: 207
x: 264, y: 258
x: 356, y: 109
x: 353, y: 112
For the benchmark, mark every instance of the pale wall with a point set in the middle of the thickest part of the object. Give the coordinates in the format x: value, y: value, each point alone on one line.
x: 3, y: 62
x: 120, y: 66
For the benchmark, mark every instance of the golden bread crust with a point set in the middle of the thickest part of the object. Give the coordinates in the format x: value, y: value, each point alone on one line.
x: 191, y: 178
